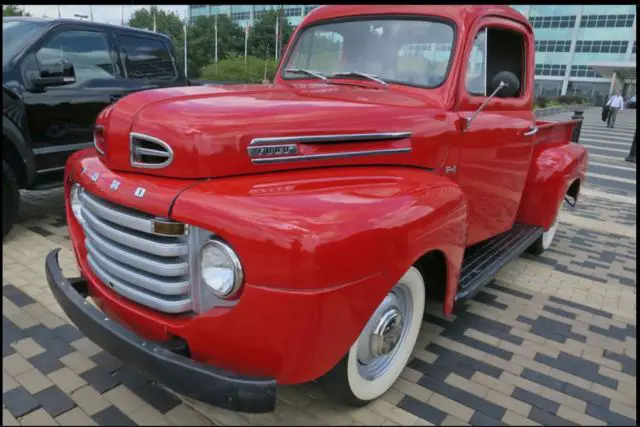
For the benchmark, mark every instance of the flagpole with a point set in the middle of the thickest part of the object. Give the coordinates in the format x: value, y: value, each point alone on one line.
x: 215, y: 31
x: 185, y: 47
x: 277, y: 38
x: 59, y: 13
x: 91, y: 12
x: 122, y: 15
x: 246, y: 40
x: 154, y: 20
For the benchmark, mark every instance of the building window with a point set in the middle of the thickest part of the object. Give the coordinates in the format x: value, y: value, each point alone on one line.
x: 602, y: 46
x: 240, y: 16
x: 308, y: 9
x: 583, y: 71
x: 606, y: 21
x: 553, y: 21
x: 292, y: 11
x: 554, y: 70
x: 553, y: 45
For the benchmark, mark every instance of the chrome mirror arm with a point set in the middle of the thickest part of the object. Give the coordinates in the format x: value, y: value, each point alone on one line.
x: 468, y: 120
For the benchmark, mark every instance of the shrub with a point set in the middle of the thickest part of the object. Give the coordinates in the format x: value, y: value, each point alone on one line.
x: 236, y: 71
x: 541, y: 101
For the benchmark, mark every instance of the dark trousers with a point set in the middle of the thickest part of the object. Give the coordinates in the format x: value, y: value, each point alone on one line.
x: 611, y: 118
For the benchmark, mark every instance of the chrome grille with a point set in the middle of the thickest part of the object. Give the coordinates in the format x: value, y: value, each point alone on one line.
x: 126, y: 255
x: 149, y: 152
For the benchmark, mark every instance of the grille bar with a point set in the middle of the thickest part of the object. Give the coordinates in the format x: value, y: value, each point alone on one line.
x: 147, y: 268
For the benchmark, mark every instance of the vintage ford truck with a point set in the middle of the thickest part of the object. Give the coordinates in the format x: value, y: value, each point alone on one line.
x: 235, y: 238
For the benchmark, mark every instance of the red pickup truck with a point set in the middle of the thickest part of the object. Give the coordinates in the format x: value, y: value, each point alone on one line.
x: 240, y: 237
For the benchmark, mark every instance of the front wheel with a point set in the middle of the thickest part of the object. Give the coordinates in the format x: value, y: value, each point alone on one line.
x: 374, y: 362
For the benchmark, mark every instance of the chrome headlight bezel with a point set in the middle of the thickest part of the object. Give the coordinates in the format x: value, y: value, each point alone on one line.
x: 233, y: 264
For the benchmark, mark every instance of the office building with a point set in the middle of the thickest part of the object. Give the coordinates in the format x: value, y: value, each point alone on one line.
x: 584, y: 50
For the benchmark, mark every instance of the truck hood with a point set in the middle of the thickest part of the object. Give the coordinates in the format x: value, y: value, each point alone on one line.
x: 234, y: 130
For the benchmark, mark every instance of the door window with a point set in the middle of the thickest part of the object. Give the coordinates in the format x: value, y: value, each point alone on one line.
x: 146, y: 58
x: 88, y: 51
x: 476, y: 79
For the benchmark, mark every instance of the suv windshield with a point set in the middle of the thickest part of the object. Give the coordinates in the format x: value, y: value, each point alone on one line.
x: 400, y: 50
x: 15, y: 34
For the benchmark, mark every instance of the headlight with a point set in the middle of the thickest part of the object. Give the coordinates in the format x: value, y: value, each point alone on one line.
x: 74, y: 198
x: 220, y: 268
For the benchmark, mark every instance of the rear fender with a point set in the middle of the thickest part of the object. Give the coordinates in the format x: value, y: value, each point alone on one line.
x: 346, y: 235
x: 554, y: 168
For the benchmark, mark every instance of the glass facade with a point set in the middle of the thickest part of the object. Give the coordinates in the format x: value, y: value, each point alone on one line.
x: 569, y: 38
x: 246, y: 14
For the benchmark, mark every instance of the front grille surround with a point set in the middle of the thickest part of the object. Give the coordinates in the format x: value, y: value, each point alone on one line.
x: 154, y: 270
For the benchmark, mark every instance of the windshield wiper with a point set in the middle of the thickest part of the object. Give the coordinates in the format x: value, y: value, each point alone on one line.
x: 359, y: 74
x: 308, y: 72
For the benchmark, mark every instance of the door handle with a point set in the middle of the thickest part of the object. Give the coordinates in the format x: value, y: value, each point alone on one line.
x: 533, y: 130
x: 114, y: 98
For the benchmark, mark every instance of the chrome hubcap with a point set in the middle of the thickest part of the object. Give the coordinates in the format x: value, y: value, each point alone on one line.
x: 385, y: 332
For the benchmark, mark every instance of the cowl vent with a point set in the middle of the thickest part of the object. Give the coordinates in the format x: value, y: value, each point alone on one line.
x: 149, y: 152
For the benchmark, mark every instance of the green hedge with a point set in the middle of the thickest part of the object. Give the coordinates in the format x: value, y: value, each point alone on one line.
x: 235, y: 70
x: 542, y: 102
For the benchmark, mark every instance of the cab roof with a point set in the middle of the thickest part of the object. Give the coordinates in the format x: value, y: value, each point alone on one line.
x: 461, y: 15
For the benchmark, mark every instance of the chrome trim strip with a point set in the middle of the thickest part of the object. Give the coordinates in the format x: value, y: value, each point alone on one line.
x: 94, y: 138
x: 161, y: 266
x: 61, y: 149
x: 342, y: 155
x: 133, y: 241
x: 165, y: 305
x: 153, y: 284
x: 152, y: 152
x: 41, y: 171
x: 317, y: 139
x: 154, y: 140
x: 103, y: 210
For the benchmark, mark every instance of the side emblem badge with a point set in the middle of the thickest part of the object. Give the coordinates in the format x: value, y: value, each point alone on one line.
x: 139, y: 192
x: 114, y: 185
x: 95, y: 176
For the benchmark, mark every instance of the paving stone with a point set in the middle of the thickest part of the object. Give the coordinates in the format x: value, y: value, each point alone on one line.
x: 536, y: 400
x: 15, y: 364
x: 112, y: 416
x: 28, y: 348
x: 75, y: 417
x: 77, y: 362
x: 33, y: 381
x: 99, y: 379
x: 66, y: 379
x: 423, y: 410
x: 19, y: 402
x: 39, y: 417
x: 8, y: 419
x: 46, y: 363
x: 54, y: 401
x: 548, y: 419
x: 89, y: 400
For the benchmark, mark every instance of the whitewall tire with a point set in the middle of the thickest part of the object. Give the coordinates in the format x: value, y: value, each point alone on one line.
x: 376, y: 360
x: 545, y: 241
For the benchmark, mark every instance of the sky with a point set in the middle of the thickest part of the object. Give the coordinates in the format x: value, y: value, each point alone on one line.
x: 101, y: 13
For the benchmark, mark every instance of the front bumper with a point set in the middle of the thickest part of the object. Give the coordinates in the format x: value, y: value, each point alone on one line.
x: 211, y: 385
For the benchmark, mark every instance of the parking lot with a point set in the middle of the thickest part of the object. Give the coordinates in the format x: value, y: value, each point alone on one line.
x: 552, y: 341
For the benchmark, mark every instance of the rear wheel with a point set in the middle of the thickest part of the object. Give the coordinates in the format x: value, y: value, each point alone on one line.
x: 544, y: 242
x: 10, y: 198
x: 374, y: 362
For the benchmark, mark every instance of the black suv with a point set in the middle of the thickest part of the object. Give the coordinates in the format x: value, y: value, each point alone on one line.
x: 57, y: 75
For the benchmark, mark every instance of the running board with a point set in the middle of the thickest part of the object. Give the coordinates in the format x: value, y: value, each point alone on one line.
x: 483, y: 260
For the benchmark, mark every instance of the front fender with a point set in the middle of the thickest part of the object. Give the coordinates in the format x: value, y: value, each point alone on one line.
x: 337, y: 239
x: 552, y: 171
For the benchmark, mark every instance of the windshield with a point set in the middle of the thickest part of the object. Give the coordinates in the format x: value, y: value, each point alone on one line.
x: 15, y: 34
x: 404, y: 51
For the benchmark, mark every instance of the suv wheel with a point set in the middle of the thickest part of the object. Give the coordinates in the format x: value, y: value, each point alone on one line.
x: 10, y: 198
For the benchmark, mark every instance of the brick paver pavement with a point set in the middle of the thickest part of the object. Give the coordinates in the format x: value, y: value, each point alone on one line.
x: 551, y: 341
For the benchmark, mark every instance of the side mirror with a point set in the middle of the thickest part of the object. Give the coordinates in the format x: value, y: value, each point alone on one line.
x: 511, y: 85
x: 55, y: 73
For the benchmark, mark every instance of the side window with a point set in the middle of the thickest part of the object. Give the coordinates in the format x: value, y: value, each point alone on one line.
x: 88, y: 51
x: 476, y: 80
x: 146, y: 58
x: 495, y: 50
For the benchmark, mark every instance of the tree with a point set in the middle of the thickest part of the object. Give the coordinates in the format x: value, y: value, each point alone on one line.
x: 168, y: 23
x: 201, y: 40
x: 13, y: 10
x: 262, y: 36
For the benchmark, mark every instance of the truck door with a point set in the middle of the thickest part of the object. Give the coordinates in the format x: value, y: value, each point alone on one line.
x: 496, y: 148
x: 61, y: 119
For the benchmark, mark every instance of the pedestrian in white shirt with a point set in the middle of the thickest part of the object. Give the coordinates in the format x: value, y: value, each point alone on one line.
x: 615, y: 104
